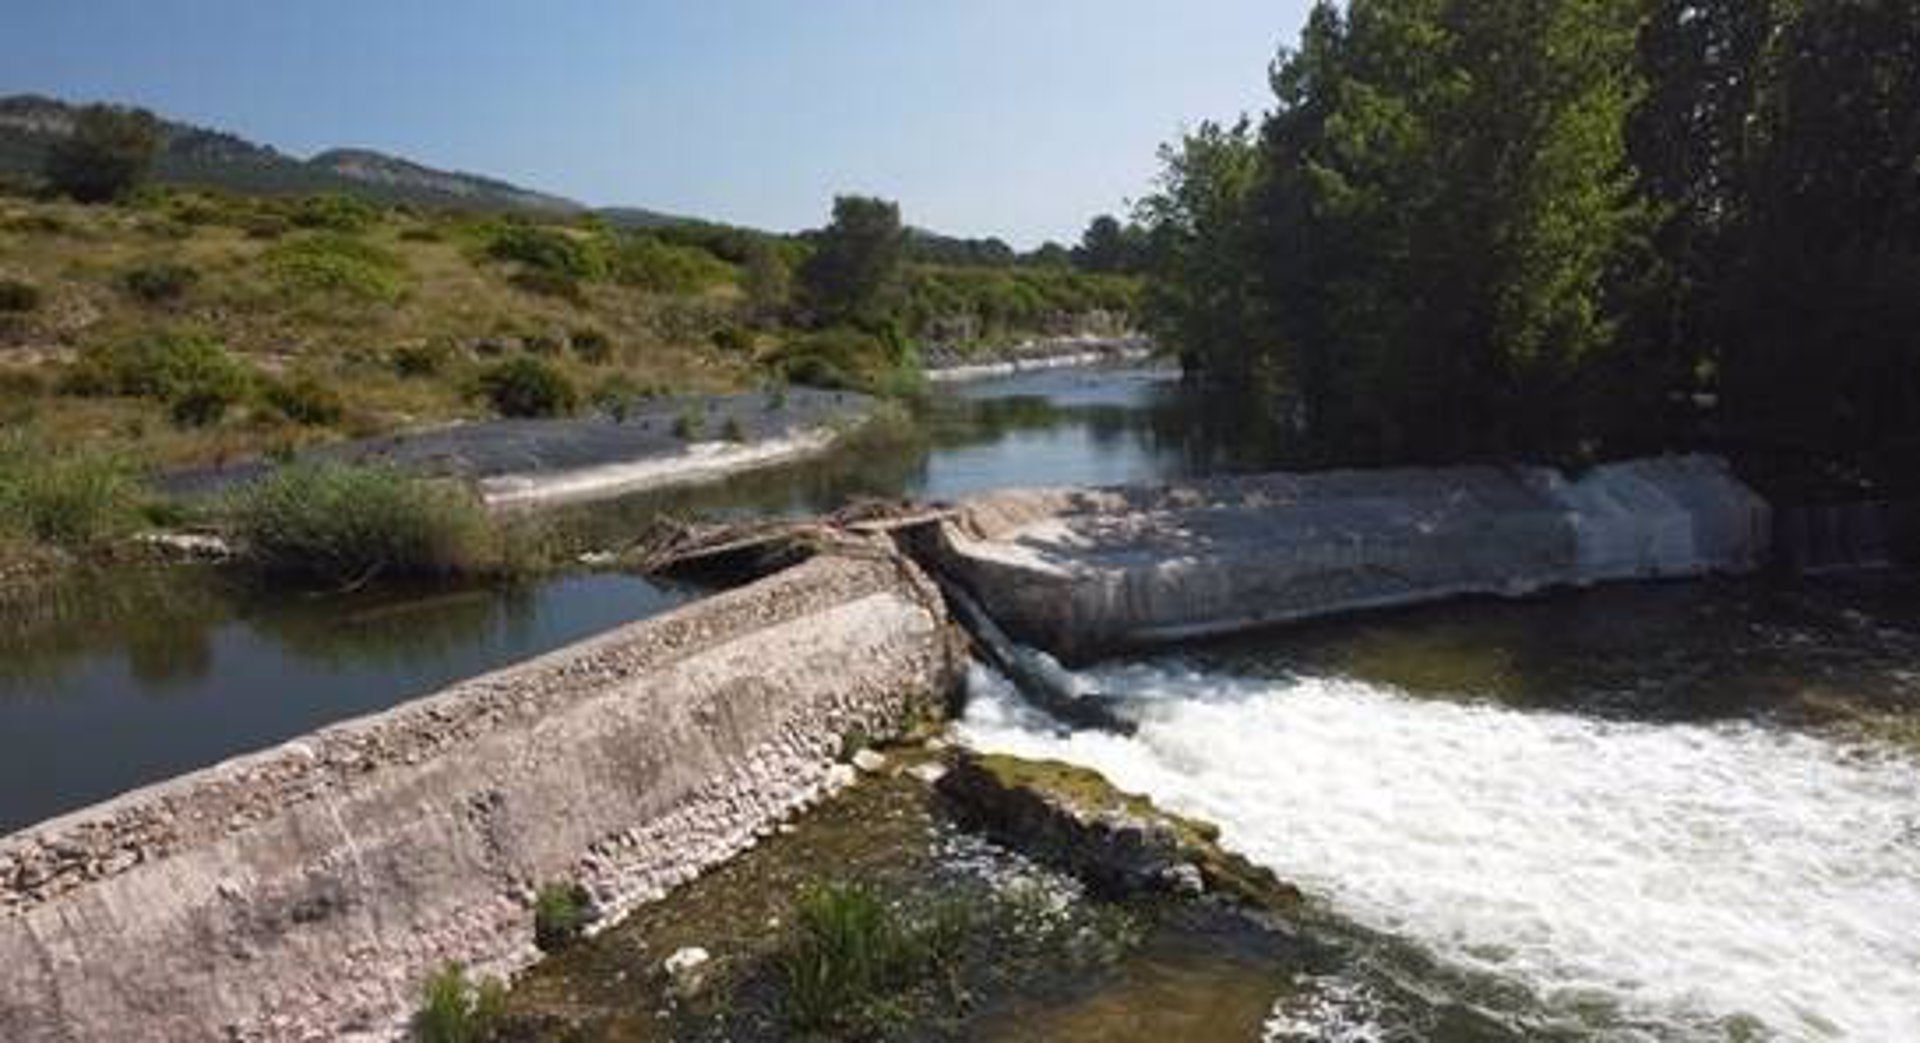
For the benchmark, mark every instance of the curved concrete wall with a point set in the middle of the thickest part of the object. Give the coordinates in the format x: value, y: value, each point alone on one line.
x: 1081, y: 572
x: 304, y: 892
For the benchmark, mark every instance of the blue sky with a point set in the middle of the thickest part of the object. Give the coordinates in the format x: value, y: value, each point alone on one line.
x: 983, y: 117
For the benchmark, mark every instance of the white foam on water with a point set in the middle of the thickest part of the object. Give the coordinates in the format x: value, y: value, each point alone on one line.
x: 1687, y: 877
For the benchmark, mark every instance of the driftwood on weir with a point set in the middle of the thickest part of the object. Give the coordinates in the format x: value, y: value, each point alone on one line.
x: 750, y: 549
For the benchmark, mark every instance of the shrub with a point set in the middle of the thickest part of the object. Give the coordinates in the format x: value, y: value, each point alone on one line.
x: 265, y: 225
x: 345, y: 523
x: 332, y: 264
x: 561, y: 913
x: 649, y: 264
x: 17, y: 296
x: 161, y: 282
x: 614, y: 396
x: 549, y: 284
x: 453, y: 1010
x: 689, y: 425
x: 528, y: 387
x: 306, y: 400
x: 194, y: 376
x: 733, y: 431
x: 335, y: 212
x: 849, y: 359
x: 421, y: 234
x: 422, y: 360
x: 553, y: 251
x: 733, y: 339
x: 591, y: 346
x: 72, y: 496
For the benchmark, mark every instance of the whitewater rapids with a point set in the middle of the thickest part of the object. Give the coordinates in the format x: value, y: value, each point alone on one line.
x: 1672, y: 881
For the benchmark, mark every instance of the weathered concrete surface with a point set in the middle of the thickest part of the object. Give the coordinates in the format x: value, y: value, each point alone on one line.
x: 304, y: 892
x: 1081, y: 572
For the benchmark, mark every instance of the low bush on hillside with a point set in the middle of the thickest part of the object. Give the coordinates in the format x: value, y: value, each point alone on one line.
x: 335, y: 212
x: 733, y: 339
x: 422, y: 360
x: 70, y: 496
x: 554, y: 251
x: 649, y: 264
x: 306, y: 399
x: 159, y: 282
x: 591, y: 346
x: 455, y: 1010
x: 17, y: 296
x: 194, y: 376
x: 526, y: 386
x: 549, y: 284
x: 336, y: 265
x: 347, y: 523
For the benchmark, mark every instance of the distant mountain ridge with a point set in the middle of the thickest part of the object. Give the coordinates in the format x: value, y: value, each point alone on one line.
x: 192, y: 155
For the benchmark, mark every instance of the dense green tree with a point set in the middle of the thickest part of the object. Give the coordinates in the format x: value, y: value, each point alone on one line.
x: 854, y: 271
x: 1820, y: 311
x: 1200, y: 298
x: 108, y: 152
x: 1111, y: 247
x: 767, y: 281
x: 1429, y: 223
x: 1049, y: 255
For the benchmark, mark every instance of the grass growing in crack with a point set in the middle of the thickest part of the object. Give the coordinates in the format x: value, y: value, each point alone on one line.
x: 853, y: 961
x: 456, y: 1010
x: 561, y: 913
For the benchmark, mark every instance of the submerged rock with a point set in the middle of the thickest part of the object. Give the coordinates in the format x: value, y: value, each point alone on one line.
x: 1119, y: 843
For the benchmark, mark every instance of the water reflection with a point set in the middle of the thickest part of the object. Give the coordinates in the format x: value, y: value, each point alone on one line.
x: 116, y: 680
x: 1064, y: 427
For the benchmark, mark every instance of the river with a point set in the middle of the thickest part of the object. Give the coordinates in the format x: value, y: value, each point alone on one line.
x: 1683, y: 811
x: 1626, y: 813
x: 112, y: 680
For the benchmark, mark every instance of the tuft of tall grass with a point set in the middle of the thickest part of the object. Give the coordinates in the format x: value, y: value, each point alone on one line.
x: 561, y: 913
x: 852, y: 956
x: 69, y: 497
x: 347, y: 523
x: 455, y: 1010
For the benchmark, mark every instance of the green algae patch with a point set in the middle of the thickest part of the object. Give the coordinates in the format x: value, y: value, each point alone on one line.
x: 1118, y: 842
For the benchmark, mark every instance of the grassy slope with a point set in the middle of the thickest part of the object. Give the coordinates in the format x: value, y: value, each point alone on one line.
x: 453, y: 298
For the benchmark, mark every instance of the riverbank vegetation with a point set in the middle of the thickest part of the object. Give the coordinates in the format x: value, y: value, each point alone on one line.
x: 343, y: 524
x: 175, y: 326
x: 1567, y: 231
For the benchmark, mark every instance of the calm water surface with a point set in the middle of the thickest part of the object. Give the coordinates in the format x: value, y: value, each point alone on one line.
x: 119, y: 679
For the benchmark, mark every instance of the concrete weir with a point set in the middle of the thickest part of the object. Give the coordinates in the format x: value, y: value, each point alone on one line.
x: 1080, y: 572
x: 304, y: 892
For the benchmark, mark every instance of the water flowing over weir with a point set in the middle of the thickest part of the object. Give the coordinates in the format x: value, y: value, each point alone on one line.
x: 1667, y: 881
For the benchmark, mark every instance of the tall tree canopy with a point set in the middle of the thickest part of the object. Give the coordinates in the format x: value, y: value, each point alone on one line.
x: 855, y: 266
x: 1556, y: 228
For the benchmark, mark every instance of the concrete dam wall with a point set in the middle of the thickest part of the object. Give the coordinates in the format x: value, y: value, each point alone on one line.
x: 304, y: 892
x: 1080, y: 572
